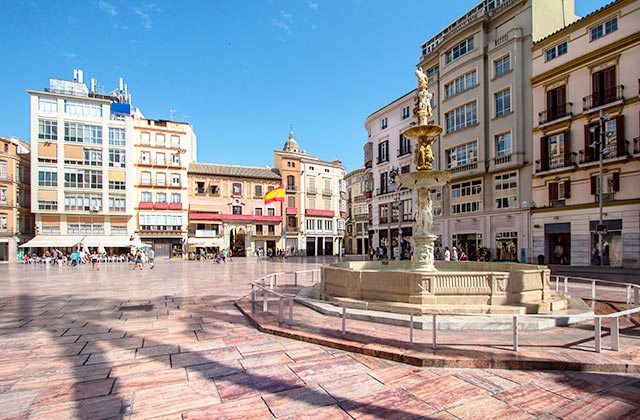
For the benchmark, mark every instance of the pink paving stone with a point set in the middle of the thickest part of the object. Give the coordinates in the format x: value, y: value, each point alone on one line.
x: 115, y: 344
x: 352, y: 387
x: 101, y: 336
x: 246, y: 409
x: 401, y: 375
x: 315, y: 371
x: 629, y: 393
x: 532, y: 399
x: 154, y: 351
x: 390, y: 404
x: 202, y: 357
x: 270, y: 346
x: 297, y: 400
x: 214, y: 370
x: 112, y: 357
x: 154, y: 402
x: 598, y: 407
x: 488, y: 408
x: 257, y: 382
x: 486, y: 380
x: 107, y: 407
x: 332, y: 412
x: 18, y: 401
x: 265, y: 360
x: 307, y: 353
x: 446, y: 391
x: 74, y: 391
x: 204, y: 345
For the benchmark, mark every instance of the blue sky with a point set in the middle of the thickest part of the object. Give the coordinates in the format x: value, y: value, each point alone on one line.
x: 240, y: 71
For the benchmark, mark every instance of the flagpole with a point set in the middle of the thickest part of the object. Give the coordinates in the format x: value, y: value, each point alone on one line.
x: 282, y: 229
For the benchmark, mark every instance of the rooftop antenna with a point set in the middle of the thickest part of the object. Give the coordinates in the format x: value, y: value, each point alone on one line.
x: 173, y: 114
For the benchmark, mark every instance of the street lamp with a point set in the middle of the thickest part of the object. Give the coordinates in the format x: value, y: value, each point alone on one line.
x: 599, y: 145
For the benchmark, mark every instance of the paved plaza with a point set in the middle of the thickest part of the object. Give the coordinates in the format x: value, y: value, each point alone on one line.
x: 169, y: 343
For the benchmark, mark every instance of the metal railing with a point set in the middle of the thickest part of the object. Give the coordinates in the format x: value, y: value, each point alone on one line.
x: 555, y: 113
x: 561, y: 283
x: 607, y: 96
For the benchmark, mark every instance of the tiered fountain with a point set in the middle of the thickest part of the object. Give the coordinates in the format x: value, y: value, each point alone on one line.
x: 427, y: 286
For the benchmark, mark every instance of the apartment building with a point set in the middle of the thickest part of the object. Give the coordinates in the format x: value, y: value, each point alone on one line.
x: 227, y: 210
x: 586, y: 88
x: 388, y: 153
x: 357, y: 223
x: 315, y: 201
x: 479, y: 69
x: 163, y: 152
x: 15, y: 215
x: 81, y: 148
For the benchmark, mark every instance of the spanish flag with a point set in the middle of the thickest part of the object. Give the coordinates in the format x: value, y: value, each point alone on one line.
x: 274, y: 195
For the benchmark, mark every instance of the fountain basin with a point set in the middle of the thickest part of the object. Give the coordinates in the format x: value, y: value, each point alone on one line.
x: 427, y: 130
x: 424, y: 179
x: 457, y: 287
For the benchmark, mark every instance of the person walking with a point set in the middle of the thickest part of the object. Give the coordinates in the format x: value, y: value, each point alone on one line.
x: 224, y: 255
x: 372, y: 253
x: 139, y: 261
x: 454, y: 254
x: 447, y: 254
x: 151, y: 256
x: 230, y: 255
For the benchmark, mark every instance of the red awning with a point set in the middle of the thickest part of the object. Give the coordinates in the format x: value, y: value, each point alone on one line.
x: 292, y: 210
x: 323, y: 213
x: 231, y: 217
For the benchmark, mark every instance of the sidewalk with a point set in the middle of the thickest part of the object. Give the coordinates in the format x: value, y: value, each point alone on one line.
x: 622, y: 275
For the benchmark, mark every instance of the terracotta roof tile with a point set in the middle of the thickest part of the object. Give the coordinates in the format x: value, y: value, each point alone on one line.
x: 235, y: 171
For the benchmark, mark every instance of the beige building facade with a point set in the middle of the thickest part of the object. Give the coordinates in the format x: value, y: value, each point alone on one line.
x: 479, y: 69
x: 357, y: 223
x: 586, y: 87
x: 163, y: 151
x: 227, y: 209
x: 16, y: 225
x: 81, y: 166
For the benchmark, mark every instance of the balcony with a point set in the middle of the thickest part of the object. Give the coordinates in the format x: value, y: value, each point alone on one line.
x: 175, y: 206
x: 206, y: 233
x: 292, y: 230
x: 636, y: 145
x: 619, y: 150
x: 6, y: 204
x: 382, y: 191
x: 404, y: 151
x: 161, y: 206
x: 145, y: 205
x: 608, y: 96
x: 291, y: 188
x: 6, y: 178
x: 606, y: 197
x: 311, y: 190
x: 566, y: 160
x: 555, y: 113
x: 463, y: 168
x: 383, y: 159
x: 327, y: 192
x: 502, y: 160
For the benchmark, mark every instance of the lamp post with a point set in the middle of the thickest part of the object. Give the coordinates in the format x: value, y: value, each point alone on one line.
x: 599, y: 144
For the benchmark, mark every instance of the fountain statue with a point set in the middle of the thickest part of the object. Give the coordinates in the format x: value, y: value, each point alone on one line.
x: 425, y: 178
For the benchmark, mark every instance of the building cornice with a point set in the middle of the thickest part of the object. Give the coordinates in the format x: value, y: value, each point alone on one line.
x: 585, y: 206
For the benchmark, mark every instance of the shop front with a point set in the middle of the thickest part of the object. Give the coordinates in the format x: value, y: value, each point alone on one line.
x: 506, y: 246
x: 470, y: 243
x: 557, y: 238
x: 611, y: 243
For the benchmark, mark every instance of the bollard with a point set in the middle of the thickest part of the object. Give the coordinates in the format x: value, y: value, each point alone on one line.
x: 281, y: 311
x: 271, y: 282
x: 597, y: 326
x: 290, y: 309
x: 253, y: 297
x: 593, y: 290
x: 344, y: 320
x: 295, y: 278
x: 515, y: 333
x: 566, y: 285
x: 411, y: 330
x: 557, y: 282
x: 313, y: 276
x: 636, y: 295
x: 615, y: 334
x: 265, y: 301
x: 434, y: 328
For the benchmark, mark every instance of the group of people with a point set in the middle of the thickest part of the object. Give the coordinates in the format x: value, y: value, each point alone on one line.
x: 455, y: 254
x: 76, y: 257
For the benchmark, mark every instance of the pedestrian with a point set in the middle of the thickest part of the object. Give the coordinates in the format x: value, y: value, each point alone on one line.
x: 447, y: 254
x: 139, y: 261
x: 218, y: 258
x: 372, y: 253
x: 379, y: 253
x: 151, y: 256
x: 463, y: 255
x: 454, y: 254
x: 230, y: 255
x: 224, y: 255
x: 94, y: 261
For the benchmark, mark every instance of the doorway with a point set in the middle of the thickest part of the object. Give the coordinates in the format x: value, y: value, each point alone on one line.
x: 236, y: 242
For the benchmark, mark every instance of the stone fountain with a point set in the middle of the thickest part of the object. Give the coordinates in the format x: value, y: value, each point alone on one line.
x: 426, y: 286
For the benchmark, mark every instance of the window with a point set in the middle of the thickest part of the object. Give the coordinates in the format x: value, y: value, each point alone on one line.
x: 291, y: 185
x: 237, y: 209
x: 460, y: 84
x: 467, y: 188
x: 312, y: 203
x: 271, y: 212
x: 160, y: 159
x: 83, y: 202
x: 145, y: 178
x: 383, y: 123
x: 503, y: 144
x: 459, y: 50
x: 271, y: 229
x: 82, y: 109
x: 556, y: 50
x: 291, y: 201
x: 47, y: 106
x: 383, y: 152
x: 161, y: 198
x: 236, y: 189
x: 257, y: 191
x: 327, y: 204
x: 215, y: 190
x: 311, y: 224
x: 160, y: 140
x: 604, y: 29
x: 117, y: 185
x: 461, y: 117
x: 468, y: 207
x: 83, y: 179
x: 328, y: 225
x: 145, y: 139
x: 4, y: 223
x: 160, y: 221
x: 175, y: 142
x: 462, y: 155
x: 116, y: 158
x: 383, y: 212
x: 47, y: 130
x: 406, y: 112
x: 117, y: 137
x: 176, y: 198
x: 503, y: 102
x: 405, y: 145
x: 47, y: 205
x: 145, y: 197
x: 506, y: 192
x: 4, y: 197
x: 407, y: 210
x: 118, y: 230
x: 117, y: 204
x: 559, y: 191
x: 610, y: 184
x: 92, y: 134
x: 47, y: 178
x: 502, y: 66
x: 161, y: 179
x: 175, y: 180
x: 257, y: 211
x: 92, y: 157
x: 384, y: 183
x: 145, y: 158
x: 175, y: 159
x: 258, y: 229
x: 73, y: 132
x: 556, y: 151
x: 199, y: 187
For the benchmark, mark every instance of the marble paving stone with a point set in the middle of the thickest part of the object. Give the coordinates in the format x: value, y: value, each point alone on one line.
x: 210, y: 344
x: 108, y: 407
x: 488, y: 408
x: 486, y: 380
x: 74, y: 391
x: 203, y: 357
x: 307, y: 353
x: 401, y: 375
x: 270, y: 346
x: 153, y: 402
x: 629, y: 393
x: 332, y: 412
x: 100, y: 336
x: 214, y: 370
x: 17, y: 401
x: 446, y: 391
x: 352, y: 387
x: 389, y: 404
x: 532, y: 399
x: 297, y: 400
x: 315, y: 371
x: 112, y: 357
x: 154, y: 351
x: 597, y: 407
x: 248, y: 408
x: 265, y: 360
x: 257, y: 382
x: 115, y: 344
